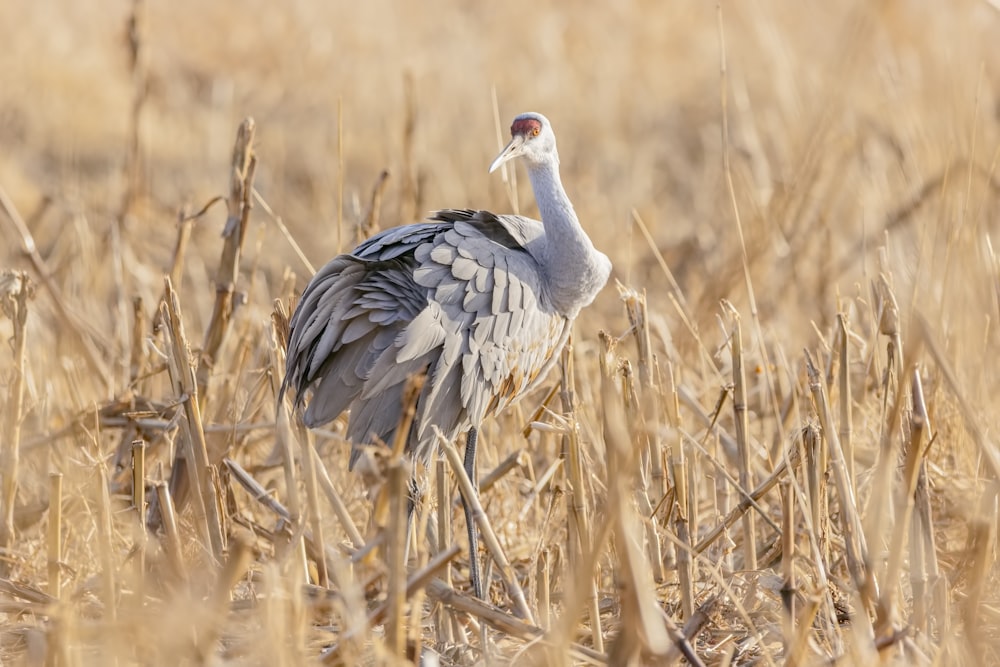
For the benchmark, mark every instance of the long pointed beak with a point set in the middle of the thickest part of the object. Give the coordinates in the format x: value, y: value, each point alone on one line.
x: 510, y: 151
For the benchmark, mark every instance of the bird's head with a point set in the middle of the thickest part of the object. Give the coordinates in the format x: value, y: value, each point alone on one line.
x: 531, y: 137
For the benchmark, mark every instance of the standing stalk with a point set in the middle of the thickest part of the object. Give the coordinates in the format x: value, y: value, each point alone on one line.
x: 15, y: 288
x: 743, y: 440
x: 579, y: 532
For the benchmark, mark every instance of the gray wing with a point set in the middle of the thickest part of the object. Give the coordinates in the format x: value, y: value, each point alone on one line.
x: 458, y: 299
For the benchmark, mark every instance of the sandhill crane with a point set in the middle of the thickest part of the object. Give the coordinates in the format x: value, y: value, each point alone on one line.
x: 481, y: 303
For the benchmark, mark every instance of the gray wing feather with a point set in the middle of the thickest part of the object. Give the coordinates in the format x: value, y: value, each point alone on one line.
x: 464, y: 268
x: 336, y: 390
x: 430, y: 276
x: 500, y: 297
x: 484, y: 280
x: 459, y: 298
x: 443, y: 254
x: 513, y: 292
x: 359, y: 326
x: 425, y: 333
x: 476, y: 301
x: 450, y: 293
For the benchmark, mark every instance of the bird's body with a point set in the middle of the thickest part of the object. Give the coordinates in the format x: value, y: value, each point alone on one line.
x: 481, y: 303
x: 459, y: 297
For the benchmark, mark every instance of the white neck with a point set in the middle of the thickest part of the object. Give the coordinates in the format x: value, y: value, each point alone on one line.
x: 575, y: 270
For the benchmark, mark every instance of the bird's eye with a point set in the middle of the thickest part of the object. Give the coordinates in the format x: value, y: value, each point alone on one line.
x: 535, y: 131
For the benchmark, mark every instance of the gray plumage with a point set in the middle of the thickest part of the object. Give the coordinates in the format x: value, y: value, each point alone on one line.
x: 481, y: 303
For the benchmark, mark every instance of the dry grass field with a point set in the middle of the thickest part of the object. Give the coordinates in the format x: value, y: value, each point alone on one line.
x: 775, y: 443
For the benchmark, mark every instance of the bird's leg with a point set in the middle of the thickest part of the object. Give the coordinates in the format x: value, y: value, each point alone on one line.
x: 470, y: 522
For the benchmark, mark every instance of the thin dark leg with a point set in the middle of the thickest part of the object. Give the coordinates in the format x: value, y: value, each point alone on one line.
x: 470, y: 522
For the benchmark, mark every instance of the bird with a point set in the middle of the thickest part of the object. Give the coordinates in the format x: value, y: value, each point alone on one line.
x: 480, y: 303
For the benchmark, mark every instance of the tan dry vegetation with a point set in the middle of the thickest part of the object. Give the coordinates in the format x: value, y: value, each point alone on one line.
x: 845, y: 167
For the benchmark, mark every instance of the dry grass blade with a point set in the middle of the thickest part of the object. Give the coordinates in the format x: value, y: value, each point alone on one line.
x: 285, y: 232
x: 171, y: 539
x: 789, y: 584
x: 499, y: 620
x: 291, y: 478
x: 255, y: 489
x: 489, y: 536
x: 929, y: 592
x: 640, y: 611
x: 473, y: 606
x: 373, y: 217
x: 512, y: 461
x: 743, y: 441
x: 138, y: 356
x: 917, y: 544
x: 308, y: 461
x: 24, y: 592
x: 446, y: 632
x: 579, y: 533
x: 846, y: 411
x: 707, y: 420
x: 139, y: 505
x: 184, y: 224
x: 542, y: 408
x: 397, y: 478
x: 682, y: 643
x: 646, y: 427
x: 543, y: 585
x: 904, y: 503
x: 54, y: 535
x: 105, y: 550
x: 397, y: 487
x: 238, y: 204
x: 419, y: 580
x: 234, y: 569
x: 336, y: 502
x: 887, y: 310
x: 685, y: 566
x: 749, y: 501
x: 182, y: 378
x: 858, y: 561
x: 542, y: 483
x: 817, y: 459
x: 15, y: 289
